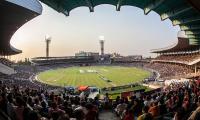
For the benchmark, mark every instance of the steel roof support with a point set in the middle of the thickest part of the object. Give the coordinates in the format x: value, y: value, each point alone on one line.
x: 187, y: 20
x: 66, y: 13
x: 174, y: 12
x: 193, y: 36
x: 189, y: 27
x: 61, y: 9
x: 194, y: 41
x: 152, y: 6
x: 118, y: 6
x: 192, y: 33
x: 89, y: 3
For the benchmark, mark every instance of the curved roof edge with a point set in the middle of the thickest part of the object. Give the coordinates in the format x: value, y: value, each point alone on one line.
x: 182, y: 45
x: 15, y: 49
x: 14, y: 14
x: 33, y: 5
x: 180, y: 12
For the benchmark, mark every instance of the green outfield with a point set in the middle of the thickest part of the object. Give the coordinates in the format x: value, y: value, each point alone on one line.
x: 99, y: 76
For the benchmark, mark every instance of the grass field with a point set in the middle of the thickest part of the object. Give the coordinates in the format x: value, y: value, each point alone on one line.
x: 93, y: 76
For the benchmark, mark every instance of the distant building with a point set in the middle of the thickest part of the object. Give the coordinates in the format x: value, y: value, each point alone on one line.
x: 130, y: 58
x: 135, y: 57
x: 114, y: 55
x: 83, y: 54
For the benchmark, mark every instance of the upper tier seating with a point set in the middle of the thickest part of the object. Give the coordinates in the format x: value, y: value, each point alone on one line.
x: 183, y: 58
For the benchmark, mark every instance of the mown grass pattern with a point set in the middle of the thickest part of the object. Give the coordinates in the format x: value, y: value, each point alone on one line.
x: 71, y: 76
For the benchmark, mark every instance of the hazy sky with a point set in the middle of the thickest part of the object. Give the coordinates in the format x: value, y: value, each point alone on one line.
x: 127, y: 32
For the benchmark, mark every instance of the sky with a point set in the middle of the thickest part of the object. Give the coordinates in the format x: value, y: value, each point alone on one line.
x: 128, y: 32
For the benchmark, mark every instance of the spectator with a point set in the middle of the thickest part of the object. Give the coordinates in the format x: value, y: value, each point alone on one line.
x: 146, y: 115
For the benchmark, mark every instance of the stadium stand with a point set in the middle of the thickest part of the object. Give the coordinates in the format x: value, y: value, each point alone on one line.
x: 6, y: 62
x: 37, y: 100
x: 184, y: 56
x: 63, y: 60
x: 182, y: 53
x: 6, y: 70
x: 167, y: 70
x: 6, y: 66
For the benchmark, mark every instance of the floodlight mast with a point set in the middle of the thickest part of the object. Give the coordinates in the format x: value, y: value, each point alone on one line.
x: 101, y: 41
x: 48, y: 41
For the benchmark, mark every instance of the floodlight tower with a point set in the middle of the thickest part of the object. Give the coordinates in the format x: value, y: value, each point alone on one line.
x: 102, y: 41
x: 48, y: 41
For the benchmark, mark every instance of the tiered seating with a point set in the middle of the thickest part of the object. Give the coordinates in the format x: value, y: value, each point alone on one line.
x: 34, y: 101
x: 5, y: 66
x: 185, y: 58
x: 169, y: 70
x: 6, y: 70
x: 6, y: 62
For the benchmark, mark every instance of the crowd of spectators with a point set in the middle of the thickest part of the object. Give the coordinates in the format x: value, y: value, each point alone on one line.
x: 185, y: 58
x: 176, y: 102
x: 167, y: 70
x: 32, y: 103
x: 22, y: 98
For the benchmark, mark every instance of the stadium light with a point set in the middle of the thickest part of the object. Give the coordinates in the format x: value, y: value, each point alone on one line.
x: 47, y: 40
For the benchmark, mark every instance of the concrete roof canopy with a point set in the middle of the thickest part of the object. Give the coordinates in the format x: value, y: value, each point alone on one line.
x: 14, y: 13
x: 185, y: 13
